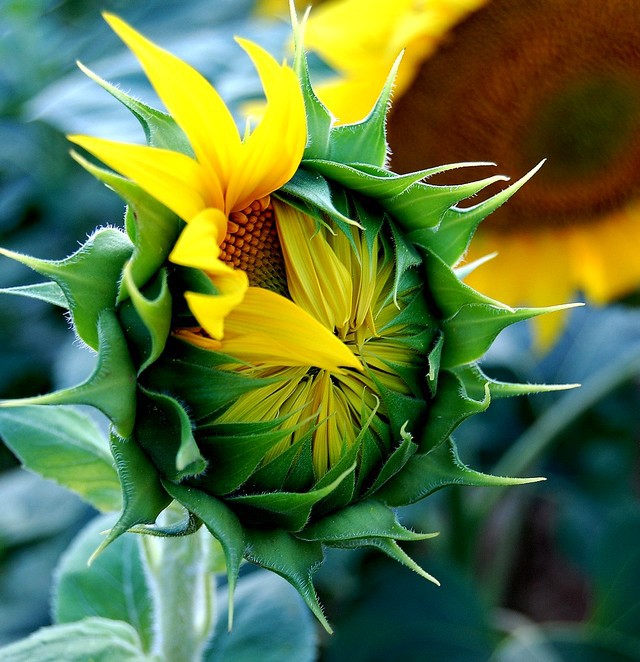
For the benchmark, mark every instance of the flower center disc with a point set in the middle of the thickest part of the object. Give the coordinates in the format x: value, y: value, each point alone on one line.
x: 520, y: 81
x: 252, y: 245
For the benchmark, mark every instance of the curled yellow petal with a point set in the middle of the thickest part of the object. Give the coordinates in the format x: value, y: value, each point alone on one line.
x: 199, y: 243
x: 212, y: 310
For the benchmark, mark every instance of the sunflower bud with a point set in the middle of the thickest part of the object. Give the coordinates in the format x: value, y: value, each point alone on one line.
x: 284, y: 345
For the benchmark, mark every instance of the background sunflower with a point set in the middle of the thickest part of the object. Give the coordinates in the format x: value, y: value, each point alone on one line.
x: 513, y: 83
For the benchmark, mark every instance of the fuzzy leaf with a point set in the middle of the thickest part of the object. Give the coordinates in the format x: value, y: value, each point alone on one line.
x: 365, y: 519
x: 291, y: 558
x: 113, y: 587
x: 450, y: 407
x: 66, y: 446
x: 159, y: 128
x: 472, y: 330
x: 421, y: 207
x: 89, y: 278
x: 155, y: 312
x: 152, y: 228
x: 311, y: 192
x: 96, y: 639
x: 190, y: 375
x: 371, y: 182
x: 394, y: 463
x: 319, y: 119
x: 365, y: 141
x: 454, y: 233
x: 234, y: 450
x: 164, y: 430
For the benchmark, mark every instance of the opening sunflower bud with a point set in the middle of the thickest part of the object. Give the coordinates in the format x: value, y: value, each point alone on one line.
x: 284, y: 344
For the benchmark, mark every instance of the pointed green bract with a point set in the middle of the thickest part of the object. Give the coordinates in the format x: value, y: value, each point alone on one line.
x: 89, y: 278
x: 441, y: 467
x: 294, y: 559
x: 112, y: 386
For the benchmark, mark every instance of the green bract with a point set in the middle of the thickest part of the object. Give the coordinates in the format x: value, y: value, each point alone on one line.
x: 166, y: 398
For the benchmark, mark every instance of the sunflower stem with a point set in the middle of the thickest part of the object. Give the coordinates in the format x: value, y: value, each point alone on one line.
x: 183, y: 589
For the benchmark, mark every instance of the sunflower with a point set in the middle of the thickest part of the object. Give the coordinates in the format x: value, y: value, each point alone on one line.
x: 513, y: 83
x: 284, y: 347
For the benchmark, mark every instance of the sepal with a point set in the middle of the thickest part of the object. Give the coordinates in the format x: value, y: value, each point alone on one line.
x: 89, y: 278
x: 112, y: 386
x: 48, y: 292
x: 223, y: 525
x: 426, y: 473
x: 143, y: 496
x: 292, y: 558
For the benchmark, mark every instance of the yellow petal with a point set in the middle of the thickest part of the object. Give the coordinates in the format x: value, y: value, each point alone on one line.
x: 269, y: 329
x: 173, y: 179
x: 317, y: 280
x: 190, y: 99
x: 199, y: 243
x: 360, y: 39
x: 212, y: 310
x: 271, y: 154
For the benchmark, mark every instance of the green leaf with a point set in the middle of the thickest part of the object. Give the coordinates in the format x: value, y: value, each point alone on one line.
x: 114, y: 587
x: 223, y: 525
x: 49, y: 292
x: 451, y: 405
x: 457, y: 227
x: 421, y: 207
x: 234, y: 450
x: 449, y: 292
x: 319, y: 119
x: 95, y: 639
x: 66, y: 446
x: 190, y: 375
x: 112, y: 386
x: 425, y: 473
x: 394, y: 463
x: 311, y: 192
x: 271, y: 624
x: 472, y: 330
x: 365, y: 519
x: 89, y: 278
x: 291, y: 558
x: 371, y: 182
